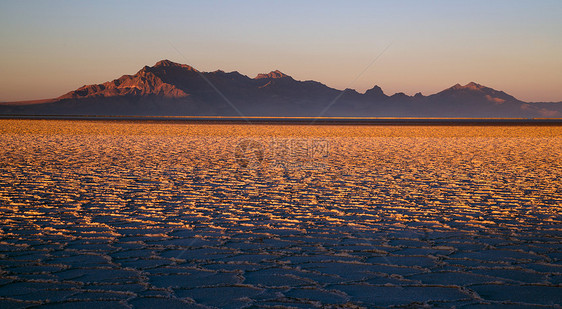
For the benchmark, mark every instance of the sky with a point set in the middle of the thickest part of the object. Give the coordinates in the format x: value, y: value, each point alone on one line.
x: 48, y: 48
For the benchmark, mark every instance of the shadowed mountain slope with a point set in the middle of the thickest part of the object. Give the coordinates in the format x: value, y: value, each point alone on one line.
x: 174, y: 89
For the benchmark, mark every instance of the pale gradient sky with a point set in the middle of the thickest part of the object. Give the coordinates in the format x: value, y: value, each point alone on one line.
x: 48, y: 48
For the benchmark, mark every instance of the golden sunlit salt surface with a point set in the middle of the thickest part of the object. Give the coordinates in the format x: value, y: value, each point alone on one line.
x: 148, y: 214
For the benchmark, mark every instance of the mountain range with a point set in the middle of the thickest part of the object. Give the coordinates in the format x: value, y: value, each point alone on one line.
x: 173, y: 89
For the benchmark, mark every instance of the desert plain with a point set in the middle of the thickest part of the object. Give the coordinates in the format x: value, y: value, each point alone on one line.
x: 127, y: 214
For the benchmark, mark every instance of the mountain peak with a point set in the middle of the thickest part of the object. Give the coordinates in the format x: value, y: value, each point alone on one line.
x: 168, y: 63
x: 376, y: 91
x: 469, y: 86
x: 473, y: 92
x: 474, y: 86
x: 272, y: 74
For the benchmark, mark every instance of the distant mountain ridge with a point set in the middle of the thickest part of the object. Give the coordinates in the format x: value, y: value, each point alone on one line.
x: 173, y: 89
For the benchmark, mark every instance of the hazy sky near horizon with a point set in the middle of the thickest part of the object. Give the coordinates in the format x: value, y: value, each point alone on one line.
x: 48, y: 48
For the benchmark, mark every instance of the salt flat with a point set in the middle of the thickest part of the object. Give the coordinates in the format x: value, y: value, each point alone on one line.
x: 141, y: 214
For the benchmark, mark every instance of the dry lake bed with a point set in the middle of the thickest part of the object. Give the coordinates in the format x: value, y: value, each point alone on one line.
x: 101, y: 214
